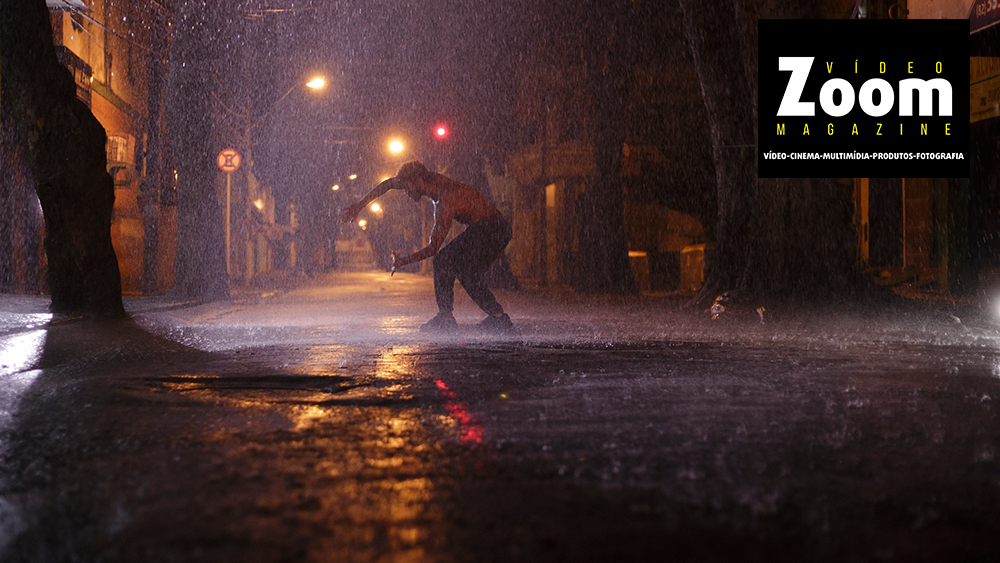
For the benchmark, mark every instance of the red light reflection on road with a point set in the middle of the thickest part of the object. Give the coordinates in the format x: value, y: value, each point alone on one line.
x: 469, y: 428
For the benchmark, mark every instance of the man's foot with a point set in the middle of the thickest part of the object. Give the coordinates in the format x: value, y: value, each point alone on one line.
x: 442, y: 323
x: 497, y: 325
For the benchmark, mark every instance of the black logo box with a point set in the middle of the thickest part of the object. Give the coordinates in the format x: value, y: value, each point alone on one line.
x: 869, y: 44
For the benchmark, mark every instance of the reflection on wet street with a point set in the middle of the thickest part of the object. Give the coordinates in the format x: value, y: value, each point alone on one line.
x: 19, y: 352
x: 342, y: 455
x: 221, y: 433
x: 331, y: 458
x: 470, y: 429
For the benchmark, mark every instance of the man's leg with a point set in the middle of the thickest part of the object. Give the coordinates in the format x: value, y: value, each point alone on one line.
x: 444, y: 293
x: 480, y: 293
x: 445, y: 263
x: 485, y: 243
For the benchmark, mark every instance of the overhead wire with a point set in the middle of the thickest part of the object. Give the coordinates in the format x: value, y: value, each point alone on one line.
x: 162, y: 56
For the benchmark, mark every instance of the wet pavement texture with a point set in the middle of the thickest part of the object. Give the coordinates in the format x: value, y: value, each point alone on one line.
x: 318, y: 424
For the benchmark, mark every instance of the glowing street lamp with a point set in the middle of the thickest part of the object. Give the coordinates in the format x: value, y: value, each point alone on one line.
x: 250, y: 122
x: 316, y: 83
x: 376, y: 208
x: 396, y: 146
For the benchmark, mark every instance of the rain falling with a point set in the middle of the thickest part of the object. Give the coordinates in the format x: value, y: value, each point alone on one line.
x: 230, y: 328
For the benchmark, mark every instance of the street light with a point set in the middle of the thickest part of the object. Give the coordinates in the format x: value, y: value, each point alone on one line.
x: 396, y: 146
x: 317, y: 83
x: 249, y: 122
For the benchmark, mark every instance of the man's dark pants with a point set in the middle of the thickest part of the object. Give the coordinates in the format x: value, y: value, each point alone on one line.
x: 467, y: 257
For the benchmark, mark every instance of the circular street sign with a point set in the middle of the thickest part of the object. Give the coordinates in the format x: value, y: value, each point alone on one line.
x: 229, y: 160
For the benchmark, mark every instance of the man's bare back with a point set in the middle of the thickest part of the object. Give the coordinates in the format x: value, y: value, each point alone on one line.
x: 458, y: 201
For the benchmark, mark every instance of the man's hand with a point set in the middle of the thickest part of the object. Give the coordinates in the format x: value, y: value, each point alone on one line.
x: 398, y: 261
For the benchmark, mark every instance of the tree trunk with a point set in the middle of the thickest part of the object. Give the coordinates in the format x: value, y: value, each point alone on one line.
x: 775, y: 238
x: 201, y: 256
x: 66, y: 151
x: 603, y: 250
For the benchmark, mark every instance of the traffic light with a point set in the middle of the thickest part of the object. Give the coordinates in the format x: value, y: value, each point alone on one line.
x: 441, y: 131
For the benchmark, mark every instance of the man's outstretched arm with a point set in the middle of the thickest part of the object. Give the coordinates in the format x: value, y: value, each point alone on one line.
x: 351, y: 211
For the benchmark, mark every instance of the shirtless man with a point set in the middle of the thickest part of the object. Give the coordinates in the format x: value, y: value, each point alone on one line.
x: 466, y: 257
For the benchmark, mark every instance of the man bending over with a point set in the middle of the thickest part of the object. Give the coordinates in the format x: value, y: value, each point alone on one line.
x: 466, y: 257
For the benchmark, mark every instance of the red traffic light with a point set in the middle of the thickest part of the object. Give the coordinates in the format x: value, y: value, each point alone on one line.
x: 440, y: 131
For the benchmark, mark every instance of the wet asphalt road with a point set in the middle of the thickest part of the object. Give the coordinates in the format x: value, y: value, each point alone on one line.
x: 318, y: 424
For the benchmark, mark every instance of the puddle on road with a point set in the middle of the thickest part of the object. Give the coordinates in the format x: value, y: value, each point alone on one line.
x: 350, y: 453
x: 323, y: 384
